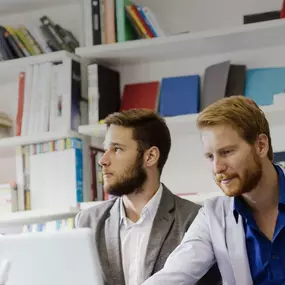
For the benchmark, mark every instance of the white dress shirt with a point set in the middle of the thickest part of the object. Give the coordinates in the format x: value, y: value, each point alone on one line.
x: 134, y: 239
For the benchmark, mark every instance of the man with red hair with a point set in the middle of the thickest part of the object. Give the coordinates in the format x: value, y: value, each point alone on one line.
x: 244, y: 231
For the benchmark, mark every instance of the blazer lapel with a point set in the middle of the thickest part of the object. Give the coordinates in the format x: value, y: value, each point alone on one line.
x: 235, y: 240
x: 112, y: 236
x: 160, y: 229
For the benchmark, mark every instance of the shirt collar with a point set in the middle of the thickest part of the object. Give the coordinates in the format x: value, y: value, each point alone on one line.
x: 150, y: 208
x: 281, y: 181
x: 240, y: 208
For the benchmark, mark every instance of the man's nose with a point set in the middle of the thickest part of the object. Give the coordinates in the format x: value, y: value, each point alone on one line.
x: 219, y: 165
x: 104, y: 160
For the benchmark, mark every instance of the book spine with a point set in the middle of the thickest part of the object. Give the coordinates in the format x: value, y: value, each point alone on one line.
x: 12, y: 32
x: 153, y: 21
x: 31, y: 41
x: 96, y: 24
x: 110, y: 21
x: 102, y: 21
x: 75, y: 94
x: 78, y: 146
x: 13, y: 45
x: 138, y: 31
x: 120, y: 21
x: 143, y: 15
x: 140, y: 22
x: 93, y: 94
x: 21, y: 90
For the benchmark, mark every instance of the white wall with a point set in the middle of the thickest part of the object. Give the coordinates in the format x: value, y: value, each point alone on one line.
x: 19, y: 6
x: 196, y: 15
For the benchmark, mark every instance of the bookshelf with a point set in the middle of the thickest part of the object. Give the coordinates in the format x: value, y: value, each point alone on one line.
x: 186, y: 124
x: 10, y: 69
x: 67, y: 14
x: 196, y: 44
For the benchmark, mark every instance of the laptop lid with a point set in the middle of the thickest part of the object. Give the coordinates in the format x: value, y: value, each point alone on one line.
x: 67, y: 257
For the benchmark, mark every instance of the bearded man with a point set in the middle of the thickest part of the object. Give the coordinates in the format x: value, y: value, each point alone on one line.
x: 137, y: 231
x: 244, y: 232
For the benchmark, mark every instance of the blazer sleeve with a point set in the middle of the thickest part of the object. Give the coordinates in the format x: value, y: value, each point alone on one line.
x: 82, y: 220
x: 191, y: 260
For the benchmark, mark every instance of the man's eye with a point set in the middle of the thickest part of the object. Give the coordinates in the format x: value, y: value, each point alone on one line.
x: 226, y: 152
x: 117, y: 149
x: 209, y: 156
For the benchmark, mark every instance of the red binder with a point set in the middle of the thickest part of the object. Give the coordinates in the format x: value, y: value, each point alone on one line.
x: 140, y: 96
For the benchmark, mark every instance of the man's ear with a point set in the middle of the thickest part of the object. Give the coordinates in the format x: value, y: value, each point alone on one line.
x: 262, y: 145
x: 151, y: 156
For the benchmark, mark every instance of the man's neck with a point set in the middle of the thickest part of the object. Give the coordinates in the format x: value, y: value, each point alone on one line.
x: 265, y: 197
x: 134, y: 203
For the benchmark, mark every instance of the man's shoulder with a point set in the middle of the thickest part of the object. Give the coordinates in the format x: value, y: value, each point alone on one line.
x: 183, y: 208
x: 213, y: 207
x: 99, y: 207
x: 183, y: 203
x: 218, y: 201
x: 178, y: 201
x: 95, y: 212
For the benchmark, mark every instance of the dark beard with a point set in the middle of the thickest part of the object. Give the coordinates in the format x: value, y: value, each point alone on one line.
x: 131, y: 182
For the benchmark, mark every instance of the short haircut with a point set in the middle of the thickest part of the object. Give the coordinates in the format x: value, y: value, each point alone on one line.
x: 241, y: 113
x: 149, y: 129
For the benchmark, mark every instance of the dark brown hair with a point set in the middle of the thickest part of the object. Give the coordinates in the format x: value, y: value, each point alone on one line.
x: 240, y: 112
x: 149, y: 129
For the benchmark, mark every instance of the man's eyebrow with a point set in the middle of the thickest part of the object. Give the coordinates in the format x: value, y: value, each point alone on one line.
x: 227, y: 147
x: 113, y: 144
x: 232, y: 146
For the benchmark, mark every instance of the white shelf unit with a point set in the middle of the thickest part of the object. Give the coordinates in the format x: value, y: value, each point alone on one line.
x: 9, y: 144
x: 42, y: 215
x: 66, y: 13
x: 10, y: 69
x: 22, y: 218
x: 36, y: 216
x: 247, y: 37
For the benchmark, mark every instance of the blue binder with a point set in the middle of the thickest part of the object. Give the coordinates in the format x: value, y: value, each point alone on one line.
x: 179, y: 95
x: 262, y: 83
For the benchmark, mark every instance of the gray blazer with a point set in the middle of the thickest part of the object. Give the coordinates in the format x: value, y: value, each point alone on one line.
x: 173, y: 218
